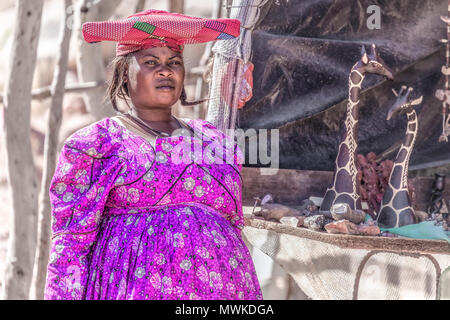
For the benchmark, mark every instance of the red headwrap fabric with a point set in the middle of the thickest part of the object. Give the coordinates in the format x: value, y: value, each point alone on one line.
x: 155, y: 28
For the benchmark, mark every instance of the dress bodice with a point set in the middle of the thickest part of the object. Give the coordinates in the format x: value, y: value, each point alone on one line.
x: 175, y: 170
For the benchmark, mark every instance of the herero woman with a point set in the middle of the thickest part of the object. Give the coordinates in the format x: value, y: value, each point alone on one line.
x: 130, y: 222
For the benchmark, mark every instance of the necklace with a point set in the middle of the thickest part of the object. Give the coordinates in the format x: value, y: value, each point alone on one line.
x: 153, y: 131
x: 148, y: 128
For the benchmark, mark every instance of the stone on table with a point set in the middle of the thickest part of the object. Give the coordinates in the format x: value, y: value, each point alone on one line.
x: 341, y: 226
x: 308, y: 208
x: 315, y: 223
x: 340, y: 211
x: 317, y: 201
x: 368, y: 230
x: 276, y: 211
x: 347, y: 227
x: 420, y: 215
x: 293, y: 221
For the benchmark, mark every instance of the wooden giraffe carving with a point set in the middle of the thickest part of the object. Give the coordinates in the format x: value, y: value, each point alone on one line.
x: 345, y: 188
x: 396, y: 209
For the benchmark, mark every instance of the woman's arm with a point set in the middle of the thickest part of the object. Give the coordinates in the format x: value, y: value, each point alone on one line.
x: 79, y: 189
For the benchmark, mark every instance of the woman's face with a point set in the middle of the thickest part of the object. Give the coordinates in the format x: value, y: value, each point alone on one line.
x: 155, y: 77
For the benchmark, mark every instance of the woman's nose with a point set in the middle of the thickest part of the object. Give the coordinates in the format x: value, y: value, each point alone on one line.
x: 165, y: 71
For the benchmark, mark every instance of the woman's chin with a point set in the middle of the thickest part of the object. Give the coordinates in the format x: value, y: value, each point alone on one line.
x: 166, y: 103
x: 166, y: 97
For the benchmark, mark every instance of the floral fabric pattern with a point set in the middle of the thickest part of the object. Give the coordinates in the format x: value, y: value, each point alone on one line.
x: 129, y: 222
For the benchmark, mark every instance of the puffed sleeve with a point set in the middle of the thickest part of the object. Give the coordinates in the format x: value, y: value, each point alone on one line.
x: 84, y: 175
x: 228, y: 139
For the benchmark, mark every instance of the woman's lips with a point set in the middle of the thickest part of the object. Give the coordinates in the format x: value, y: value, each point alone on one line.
x: 165, y: 85
x: 165, y: 88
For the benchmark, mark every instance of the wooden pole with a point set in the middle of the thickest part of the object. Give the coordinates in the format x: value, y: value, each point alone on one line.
x: 90, y: 64
x: 200, y: 88
x: 21, y: 175
x: 46, y: 92
x: 176, y: 6
x: 50, y: 153
x: 140, y: 6
x: 447, y: 65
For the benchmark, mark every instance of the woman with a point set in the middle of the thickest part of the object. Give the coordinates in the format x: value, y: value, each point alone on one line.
x: 135, y: 216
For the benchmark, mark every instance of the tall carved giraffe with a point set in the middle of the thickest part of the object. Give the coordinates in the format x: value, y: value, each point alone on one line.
x: 396, y: 209
x: 345, y: 188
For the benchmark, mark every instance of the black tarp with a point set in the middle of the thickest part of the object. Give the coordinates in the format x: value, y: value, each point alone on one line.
x: 303, y: 51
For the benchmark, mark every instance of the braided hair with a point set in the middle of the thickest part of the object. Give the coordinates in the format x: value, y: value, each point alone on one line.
x: 117, y: 85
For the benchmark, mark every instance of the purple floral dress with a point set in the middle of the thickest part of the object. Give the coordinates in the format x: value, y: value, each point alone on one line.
x: 129, y: 221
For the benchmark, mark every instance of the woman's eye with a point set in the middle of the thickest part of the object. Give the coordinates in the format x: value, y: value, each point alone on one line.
x: 153, y: 63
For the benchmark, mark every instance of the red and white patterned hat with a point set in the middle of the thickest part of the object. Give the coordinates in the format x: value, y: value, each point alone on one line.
x: 156, y: 28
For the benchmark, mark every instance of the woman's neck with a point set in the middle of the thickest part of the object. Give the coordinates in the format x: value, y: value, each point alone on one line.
x: 161, y: 116
x: 160, y: 120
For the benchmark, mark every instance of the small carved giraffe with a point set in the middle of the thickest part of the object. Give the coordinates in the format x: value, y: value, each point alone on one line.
x: 345, y: 188
x: 396, y: 209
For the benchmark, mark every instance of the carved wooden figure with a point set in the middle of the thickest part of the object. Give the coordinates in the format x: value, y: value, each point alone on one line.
x: 345, y: 188
x: 396, y: 209
x: 444, y: 94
